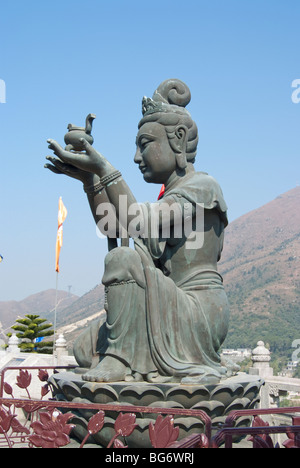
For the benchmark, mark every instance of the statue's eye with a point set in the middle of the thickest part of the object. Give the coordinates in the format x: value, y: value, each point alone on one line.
x: 144, y: 143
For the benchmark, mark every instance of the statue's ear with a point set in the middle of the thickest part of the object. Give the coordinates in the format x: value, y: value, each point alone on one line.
x: 179, y: 144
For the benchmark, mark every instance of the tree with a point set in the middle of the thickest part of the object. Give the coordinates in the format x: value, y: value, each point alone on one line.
x: 32, y: 330
x: 279, y: 364
x: 245, y: 365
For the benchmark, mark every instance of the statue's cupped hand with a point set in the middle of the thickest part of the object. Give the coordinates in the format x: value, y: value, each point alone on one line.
x: 59, y: 167
x: 89, y: 161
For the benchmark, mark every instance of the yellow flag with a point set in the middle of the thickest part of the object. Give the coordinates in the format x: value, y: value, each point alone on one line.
x: 62, y: 214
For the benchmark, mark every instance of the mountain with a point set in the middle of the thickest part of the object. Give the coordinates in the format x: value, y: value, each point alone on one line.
x: 73, y: 313
x: 73, y: 319
x: 84, y: 307
x: 42, y: 303
x: 261, y: 269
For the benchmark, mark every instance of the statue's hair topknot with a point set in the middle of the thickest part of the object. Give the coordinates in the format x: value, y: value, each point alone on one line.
x: 171, y: 96
x: 174, y: 92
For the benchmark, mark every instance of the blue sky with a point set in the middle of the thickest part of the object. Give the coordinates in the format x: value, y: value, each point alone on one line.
x: 61, y: 60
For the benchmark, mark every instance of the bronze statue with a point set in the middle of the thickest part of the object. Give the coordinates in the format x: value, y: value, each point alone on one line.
x: 167, y: 311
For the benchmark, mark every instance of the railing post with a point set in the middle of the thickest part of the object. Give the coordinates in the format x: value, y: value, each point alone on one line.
x: 61, y: 349
x: 13, y: 343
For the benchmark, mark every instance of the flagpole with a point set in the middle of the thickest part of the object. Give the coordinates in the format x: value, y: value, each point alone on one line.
x: 62, y: 214
x: 55, y: 310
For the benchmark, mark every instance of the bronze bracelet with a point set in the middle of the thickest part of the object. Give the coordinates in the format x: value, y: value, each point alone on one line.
x: 110, y: 178
x: 95, y: 188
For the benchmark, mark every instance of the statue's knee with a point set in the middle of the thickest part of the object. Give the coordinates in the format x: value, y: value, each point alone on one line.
x: 123, y: 264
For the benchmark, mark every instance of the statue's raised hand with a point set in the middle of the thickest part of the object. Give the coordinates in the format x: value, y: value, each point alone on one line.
x: 59, y: 167
x: 89, y: 161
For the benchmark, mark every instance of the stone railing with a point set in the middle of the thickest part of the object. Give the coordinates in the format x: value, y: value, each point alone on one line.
x: 14, y: 356
x: 274, y: 386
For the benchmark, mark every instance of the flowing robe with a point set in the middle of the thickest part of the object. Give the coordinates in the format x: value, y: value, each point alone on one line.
x: 167, y: 311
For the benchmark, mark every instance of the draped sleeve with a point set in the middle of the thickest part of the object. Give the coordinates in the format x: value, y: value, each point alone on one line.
x: 201, y: 188
x: 197, y: 187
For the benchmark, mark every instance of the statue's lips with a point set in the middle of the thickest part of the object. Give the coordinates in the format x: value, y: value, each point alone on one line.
x: 143, y: 169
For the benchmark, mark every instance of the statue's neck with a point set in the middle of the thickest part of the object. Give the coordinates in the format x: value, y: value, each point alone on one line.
x: 178, y: 174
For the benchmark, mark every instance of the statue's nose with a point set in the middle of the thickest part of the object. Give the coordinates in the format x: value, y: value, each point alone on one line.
x: 138, y: 157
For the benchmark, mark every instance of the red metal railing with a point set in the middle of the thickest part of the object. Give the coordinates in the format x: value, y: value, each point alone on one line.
x: 48, y: 422
x: 31, y: 368
x: 259, y: 427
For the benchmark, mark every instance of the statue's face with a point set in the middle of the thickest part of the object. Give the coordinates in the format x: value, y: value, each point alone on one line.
x: 154, y: 155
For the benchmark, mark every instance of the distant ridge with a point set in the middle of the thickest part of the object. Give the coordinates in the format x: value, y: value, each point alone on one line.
x: 261, y: 270
x: 42, y: 303
x: 85, y: 306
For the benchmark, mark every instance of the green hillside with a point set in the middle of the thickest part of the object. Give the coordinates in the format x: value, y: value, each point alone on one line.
x: 261, y: 270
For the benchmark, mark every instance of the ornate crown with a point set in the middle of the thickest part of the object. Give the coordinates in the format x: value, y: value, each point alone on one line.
x: 149, y: 106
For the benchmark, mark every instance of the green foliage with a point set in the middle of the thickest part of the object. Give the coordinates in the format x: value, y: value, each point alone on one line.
x: 296, y: 374
x: 277, y: 324
x: 29, y: 329
x: 278, y: 364
x: 245, y: 365
x: 285, y: 403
